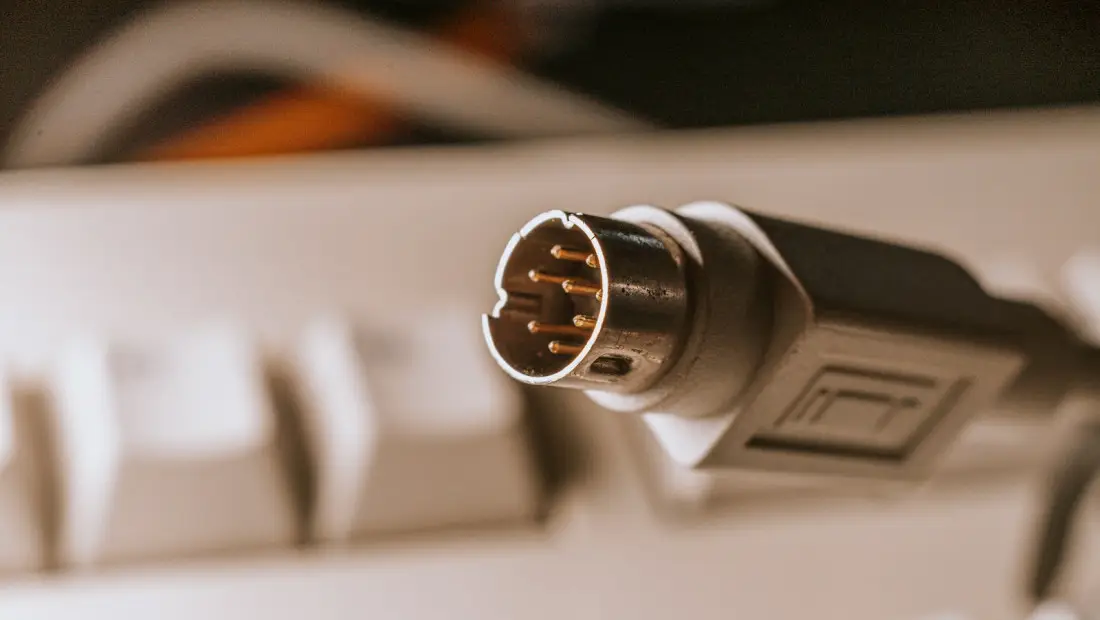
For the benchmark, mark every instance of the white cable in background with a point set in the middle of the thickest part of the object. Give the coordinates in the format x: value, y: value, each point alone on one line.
x: 1081, y: 280
x: 164, y: 49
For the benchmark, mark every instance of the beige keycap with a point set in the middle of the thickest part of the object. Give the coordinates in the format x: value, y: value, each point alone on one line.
x: 412, y: 430
x: 168, y: 450
x: 22, y: 520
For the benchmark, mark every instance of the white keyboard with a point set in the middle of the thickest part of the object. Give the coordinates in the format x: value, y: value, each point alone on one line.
x: 259, y: 390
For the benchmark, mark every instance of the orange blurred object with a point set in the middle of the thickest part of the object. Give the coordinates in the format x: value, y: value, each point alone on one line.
x: 487, y: 29
x: 304, y: 119
x: 319, y: 117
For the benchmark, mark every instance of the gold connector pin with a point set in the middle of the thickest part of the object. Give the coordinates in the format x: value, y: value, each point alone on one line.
x: 560, y: 348
x: 577, y: 287
x: 536, y: 327
x: 584, y: 322
x: 564, y: 253
x: 539, y: 276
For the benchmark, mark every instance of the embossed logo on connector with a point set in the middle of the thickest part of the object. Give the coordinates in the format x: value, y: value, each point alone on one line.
x: 848, y: 410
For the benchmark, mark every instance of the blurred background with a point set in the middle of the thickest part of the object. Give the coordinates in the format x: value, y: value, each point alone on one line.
x: 684, y: 64
x: 235, y: 233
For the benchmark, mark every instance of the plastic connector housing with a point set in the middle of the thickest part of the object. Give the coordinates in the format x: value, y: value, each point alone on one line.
x: 877, y: 358
x: 812, y: 351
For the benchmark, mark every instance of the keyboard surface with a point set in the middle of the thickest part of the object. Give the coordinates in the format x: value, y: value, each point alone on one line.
x: 258, y: 389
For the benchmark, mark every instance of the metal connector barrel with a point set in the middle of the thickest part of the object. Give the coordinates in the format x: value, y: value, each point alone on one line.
x: 588, y: 302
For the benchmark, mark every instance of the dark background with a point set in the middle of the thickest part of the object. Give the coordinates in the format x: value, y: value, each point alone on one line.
x: 687, y: 64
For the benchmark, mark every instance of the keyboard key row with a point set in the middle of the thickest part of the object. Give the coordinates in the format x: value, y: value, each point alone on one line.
x: 21, y: 540
x: 182, y: 448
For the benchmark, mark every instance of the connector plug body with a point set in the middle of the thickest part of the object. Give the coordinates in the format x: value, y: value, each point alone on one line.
x: 751, y: 342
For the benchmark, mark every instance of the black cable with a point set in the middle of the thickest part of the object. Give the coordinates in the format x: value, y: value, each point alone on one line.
x: 1071, y: 483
